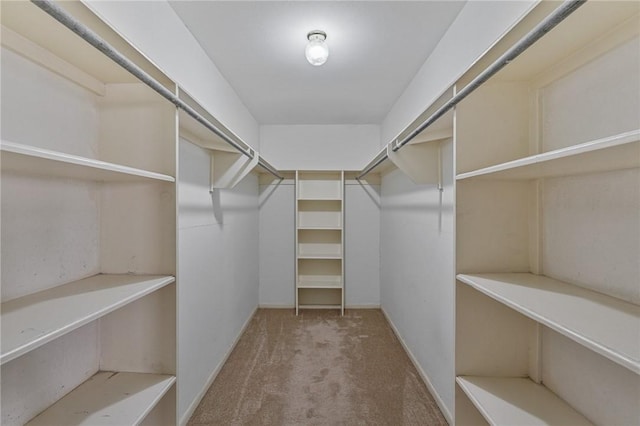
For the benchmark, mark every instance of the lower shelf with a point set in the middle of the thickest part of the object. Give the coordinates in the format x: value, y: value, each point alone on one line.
x: 319, y: 281
x: 108, y: 398
x: 320, y: 296
x: 569, y: 310
x: 31, y: 321
x: 518, y: 401
x: 320, y: 306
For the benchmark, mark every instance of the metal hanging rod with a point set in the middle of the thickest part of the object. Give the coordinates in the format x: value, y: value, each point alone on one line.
x: 557, y: 16
x: 377, y: 160
x: 96, y: 41
x: 268, y: 167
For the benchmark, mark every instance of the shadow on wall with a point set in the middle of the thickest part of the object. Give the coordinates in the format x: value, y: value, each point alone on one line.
x: 217, y: 206
x: 270, y: 189
x: 373, y: 191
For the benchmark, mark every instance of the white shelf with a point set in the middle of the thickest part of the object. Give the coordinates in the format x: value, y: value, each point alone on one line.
x: 29, y: 159
x: 316, y: 214
x: 320, y: 256
x: 319, y: 244
x: 319, y: 198
x: 307, y: 306
x: 319, y: 185
x: 320, y: 282
x: 108, y: 398
x: 319, y: 285
x: 518, y: 401
x: 617, y: 152
x: 606, y: 325
x: 31, y: 321
x: 321, y: 228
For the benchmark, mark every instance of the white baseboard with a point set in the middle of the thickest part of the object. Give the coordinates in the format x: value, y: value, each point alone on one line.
x: 194, y: 404
x: 363, y: 306
x: 423, y: 375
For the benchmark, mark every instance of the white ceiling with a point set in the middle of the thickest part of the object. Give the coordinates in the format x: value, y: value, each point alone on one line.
x: 375, y: 49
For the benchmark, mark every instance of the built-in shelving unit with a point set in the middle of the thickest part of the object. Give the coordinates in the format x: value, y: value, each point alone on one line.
x: 88, y: 228
x: 547, y: 204
x: 319, y: 240
x: 518, y: 401
x: 569, y: 310
x: 108, y: 398
x: 27, y: 322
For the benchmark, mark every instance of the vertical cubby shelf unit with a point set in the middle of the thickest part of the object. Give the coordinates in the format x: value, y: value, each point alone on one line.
x: 548, y: 229
x: 88, y: 229
x: 319, y: 240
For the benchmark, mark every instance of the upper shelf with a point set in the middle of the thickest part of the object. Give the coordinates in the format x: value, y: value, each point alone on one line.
x: 617, y: 152
x: 518, y: 401
x: 108, y: 398
x: 569, y: 310
x: 420, y: 157
x: 33, y: 320
x: 32, y: 160
x: 63, y: 49
x: 583, y: 27
x: 231, y: 158
x: 320, y: 188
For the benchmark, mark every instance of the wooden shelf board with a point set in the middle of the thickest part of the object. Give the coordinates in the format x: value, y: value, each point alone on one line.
x: 28, y: 159
x: 570, y: 310
x: 336, y: 306
x: 321, y: 228
x: 333, y: 281
x: 616, y: 152
x: 320, y: 284
x: 319, y: 199
x: 108, y: 398
x: 518, y: 401
x: 33, y: 320
x: 320, y: 256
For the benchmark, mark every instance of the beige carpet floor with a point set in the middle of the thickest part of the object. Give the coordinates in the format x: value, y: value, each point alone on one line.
x: 318, y: 369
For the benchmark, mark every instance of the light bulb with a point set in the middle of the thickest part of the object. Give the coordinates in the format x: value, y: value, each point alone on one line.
x: 317, y: 50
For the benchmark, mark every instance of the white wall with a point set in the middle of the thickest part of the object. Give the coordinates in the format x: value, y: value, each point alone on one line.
x: 319, y: 147
x: 417, y: 273
x: 476, y: 28
x: 155, y: 29
x: 277, y: 244
x: 362, y: 245
x: 217, y: 272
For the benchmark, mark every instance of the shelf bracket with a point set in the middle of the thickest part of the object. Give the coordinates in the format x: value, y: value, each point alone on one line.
x: 229, y: 168
x: 418, y: 161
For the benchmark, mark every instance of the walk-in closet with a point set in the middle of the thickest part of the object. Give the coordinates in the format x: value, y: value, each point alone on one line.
x: 323, y: 213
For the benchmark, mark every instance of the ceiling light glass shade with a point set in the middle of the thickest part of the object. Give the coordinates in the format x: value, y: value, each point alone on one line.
x: 317, y: 50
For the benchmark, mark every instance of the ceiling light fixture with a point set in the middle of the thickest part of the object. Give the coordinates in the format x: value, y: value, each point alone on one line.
x: 317, y: 50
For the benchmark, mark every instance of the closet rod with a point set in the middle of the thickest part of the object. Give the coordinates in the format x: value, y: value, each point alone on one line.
x: 268, y: 167
x: 557, y: 16
x: 377, y: 160
x: 96, y: 41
